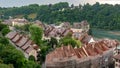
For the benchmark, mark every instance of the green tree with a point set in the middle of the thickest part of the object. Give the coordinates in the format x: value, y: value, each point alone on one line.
x: 2, y: 26
x: 31, y: 64
x: 99, y: 15
x: 60, y: 5
x: 36, y: 33
x: 4, y: 41
x: 12, y: 57
x: 31, y: 58
x: 5, y: 31
x: 90, y: 31
x: 5, y: 66
x: 70, y: 41
x: 53, y: 41
x: 42, y: 54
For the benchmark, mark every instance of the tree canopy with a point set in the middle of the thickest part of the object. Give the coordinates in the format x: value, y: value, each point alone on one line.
x: 10, y: 57
x: 5, y: 31
x: 103, y: 16
x: 36, y: 33
x: 70, y: 41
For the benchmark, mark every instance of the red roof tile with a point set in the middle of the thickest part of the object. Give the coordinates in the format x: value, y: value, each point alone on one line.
x: 22, y: 41
x: 17, y: 38
x: 91, y: 49
x: 117, y: 56
x: 28, y: 43
x: 29, y: 49
x: 11, y: 35
x: 98, y: 50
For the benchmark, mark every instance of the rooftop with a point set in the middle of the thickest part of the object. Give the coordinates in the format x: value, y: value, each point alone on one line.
x: 24, y: 43
x: 117, y: 57
x: 91, y: 49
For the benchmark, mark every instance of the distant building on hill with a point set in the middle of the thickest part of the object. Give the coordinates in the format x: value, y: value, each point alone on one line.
x: 17, y: 21
x: 82, y: 25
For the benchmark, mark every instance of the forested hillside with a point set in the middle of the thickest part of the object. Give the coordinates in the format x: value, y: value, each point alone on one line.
x: 103, y: 16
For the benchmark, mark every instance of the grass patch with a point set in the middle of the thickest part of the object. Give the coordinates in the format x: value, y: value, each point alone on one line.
x: 32, y: 16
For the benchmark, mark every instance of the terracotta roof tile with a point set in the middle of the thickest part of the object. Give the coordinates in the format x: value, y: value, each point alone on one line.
x: 35, y: 46
x: 11, y: 35
x: 22, y: 41
x: 78, y: 54
x: 91, y: 49
x: 98, y: 50
x: 17, y: 38
x: 117, y: 56
x: 29, y: 50
x: 28, y: 43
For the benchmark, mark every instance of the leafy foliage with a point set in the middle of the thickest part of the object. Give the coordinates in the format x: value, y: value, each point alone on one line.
x: 10, y: 57
x: 5, y: 66
x: 36, y: 33
x: 102, y: 16
x: 42, y: 54
x: 32, y: 58
x: 53, y: 41
x: 5, y: 31
x: 30, y: 64
x: 70, y: 41
x: 2, y: 26
x: 4, y: 41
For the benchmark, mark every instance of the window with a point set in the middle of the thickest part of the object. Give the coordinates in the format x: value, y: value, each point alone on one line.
x: 116, y: 60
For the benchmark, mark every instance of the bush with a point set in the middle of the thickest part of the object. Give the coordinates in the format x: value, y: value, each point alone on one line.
x: 2, y: 26
x: 5, y: 31
x: 31, y: 58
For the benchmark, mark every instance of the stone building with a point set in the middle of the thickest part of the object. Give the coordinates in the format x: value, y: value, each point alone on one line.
x: 93, y: 55
x: 82, y: 25
x: 17, y: 21
x: 117, y: 61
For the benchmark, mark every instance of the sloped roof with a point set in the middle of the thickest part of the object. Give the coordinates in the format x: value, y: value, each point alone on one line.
x: 11, y: 35
x: 28, y: 43
x: 7, y: 22
x: 29, y: 49
x: 117, y: 57
x: 84, y: 23
x: 76, y: 30
x: 17, y: 38
x: 22, y: 41
x: 91, y: 49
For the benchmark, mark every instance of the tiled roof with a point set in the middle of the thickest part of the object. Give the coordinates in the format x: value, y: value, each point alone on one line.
x: 29, y: 49
x: 85, y: 38
x: 91, y: 49
x: 84, y: 23
x: 17, y: 38
x: 56, y: 32
x: 11, y: 35
x: 117, y: 57
x: 23, y: 42
x: 28, y: 43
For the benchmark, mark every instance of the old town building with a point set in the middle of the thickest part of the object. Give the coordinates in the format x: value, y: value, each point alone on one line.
x: 93, y: 55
